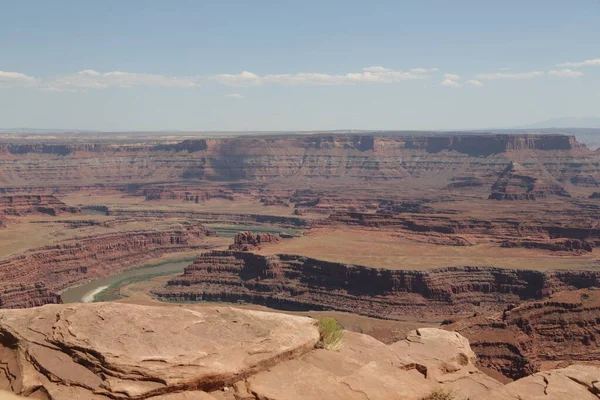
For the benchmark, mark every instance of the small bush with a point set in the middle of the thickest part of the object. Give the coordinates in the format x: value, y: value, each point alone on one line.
x: 331, y: 334
x: 440, y: 394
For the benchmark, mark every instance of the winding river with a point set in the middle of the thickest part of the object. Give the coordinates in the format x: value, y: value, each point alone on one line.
x: 85, y: 293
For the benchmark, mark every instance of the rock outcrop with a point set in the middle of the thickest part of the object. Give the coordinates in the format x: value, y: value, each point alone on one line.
x: 574, y: 382
x: 98, y: 351
x: 125, y: 351
x: 364, y: 368
x: 19, y: 205
x: 560, y: 245
x: 518, y: 182
x: 246, y: 241
x: 184, y: 193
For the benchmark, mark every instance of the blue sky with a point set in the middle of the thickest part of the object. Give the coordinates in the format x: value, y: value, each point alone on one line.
x: 297, y: 65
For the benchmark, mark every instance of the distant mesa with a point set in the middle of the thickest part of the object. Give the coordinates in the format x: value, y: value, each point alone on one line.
x: 485, y: 145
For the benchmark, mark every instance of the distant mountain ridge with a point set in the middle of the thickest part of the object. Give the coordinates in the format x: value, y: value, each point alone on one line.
x: 564, y: 122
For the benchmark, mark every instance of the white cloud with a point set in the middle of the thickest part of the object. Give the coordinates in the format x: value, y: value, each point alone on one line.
x: 16, y: 79
x: 90, y: 72
x: 474, y: 82
x: 504, y: 68
x: 373, y: 74
x: 452, y: 77
x: 90, y: 79
x: 451, y: 83
x: 244, y: 78
x: 308, y: 79
x: 451, y: 80
x: 508, y: 75
x: 57, y: 89
x: 562, y: 73
x: 424, y: 70
x: 234, y: 96
x: 565, y: 73
x: 586, y: 63
x: 376, y: 69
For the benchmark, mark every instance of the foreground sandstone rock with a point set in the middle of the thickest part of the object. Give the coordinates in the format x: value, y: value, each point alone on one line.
x: 365, y: 368
x: 8, y: 396
x: 125, y: 351
x: 574, y: 382
x: 129, y: 351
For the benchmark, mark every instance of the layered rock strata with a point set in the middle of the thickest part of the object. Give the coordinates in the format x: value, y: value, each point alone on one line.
x: 561, y: 245
x: 24, y: 295
x: 246, y: 241
x: 185, y: 194
x: 434, y: 160
x: 519, y: 183
x: 557, y: 331
x: 295, y: 282
x: 561, y: 234
x: 213, y: 217
x: 35, y: 276
x: 19, y: 205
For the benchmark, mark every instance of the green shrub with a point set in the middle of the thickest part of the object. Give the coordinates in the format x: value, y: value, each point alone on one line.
x: 440, y: 394
x: 331, y: 334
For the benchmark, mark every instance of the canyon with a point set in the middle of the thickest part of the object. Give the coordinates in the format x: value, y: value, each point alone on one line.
x: 43, y: 272
x: 493, y: 236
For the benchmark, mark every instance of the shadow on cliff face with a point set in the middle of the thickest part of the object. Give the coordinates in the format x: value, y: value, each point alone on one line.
x: 489, y: 144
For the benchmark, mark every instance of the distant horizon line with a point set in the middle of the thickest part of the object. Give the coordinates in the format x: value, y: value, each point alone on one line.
x: 31, y: 131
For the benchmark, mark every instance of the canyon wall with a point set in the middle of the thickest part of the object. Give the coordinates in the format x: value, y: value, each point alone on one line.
x: 564, y: 233
x: 484, y: 145
x: 463, y: 143
x: 34, y: 277
x: 436, y: 160
x: 18, y: 205
x: 213, y: 217
x: 537, y: 335
x: 296, y: 282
